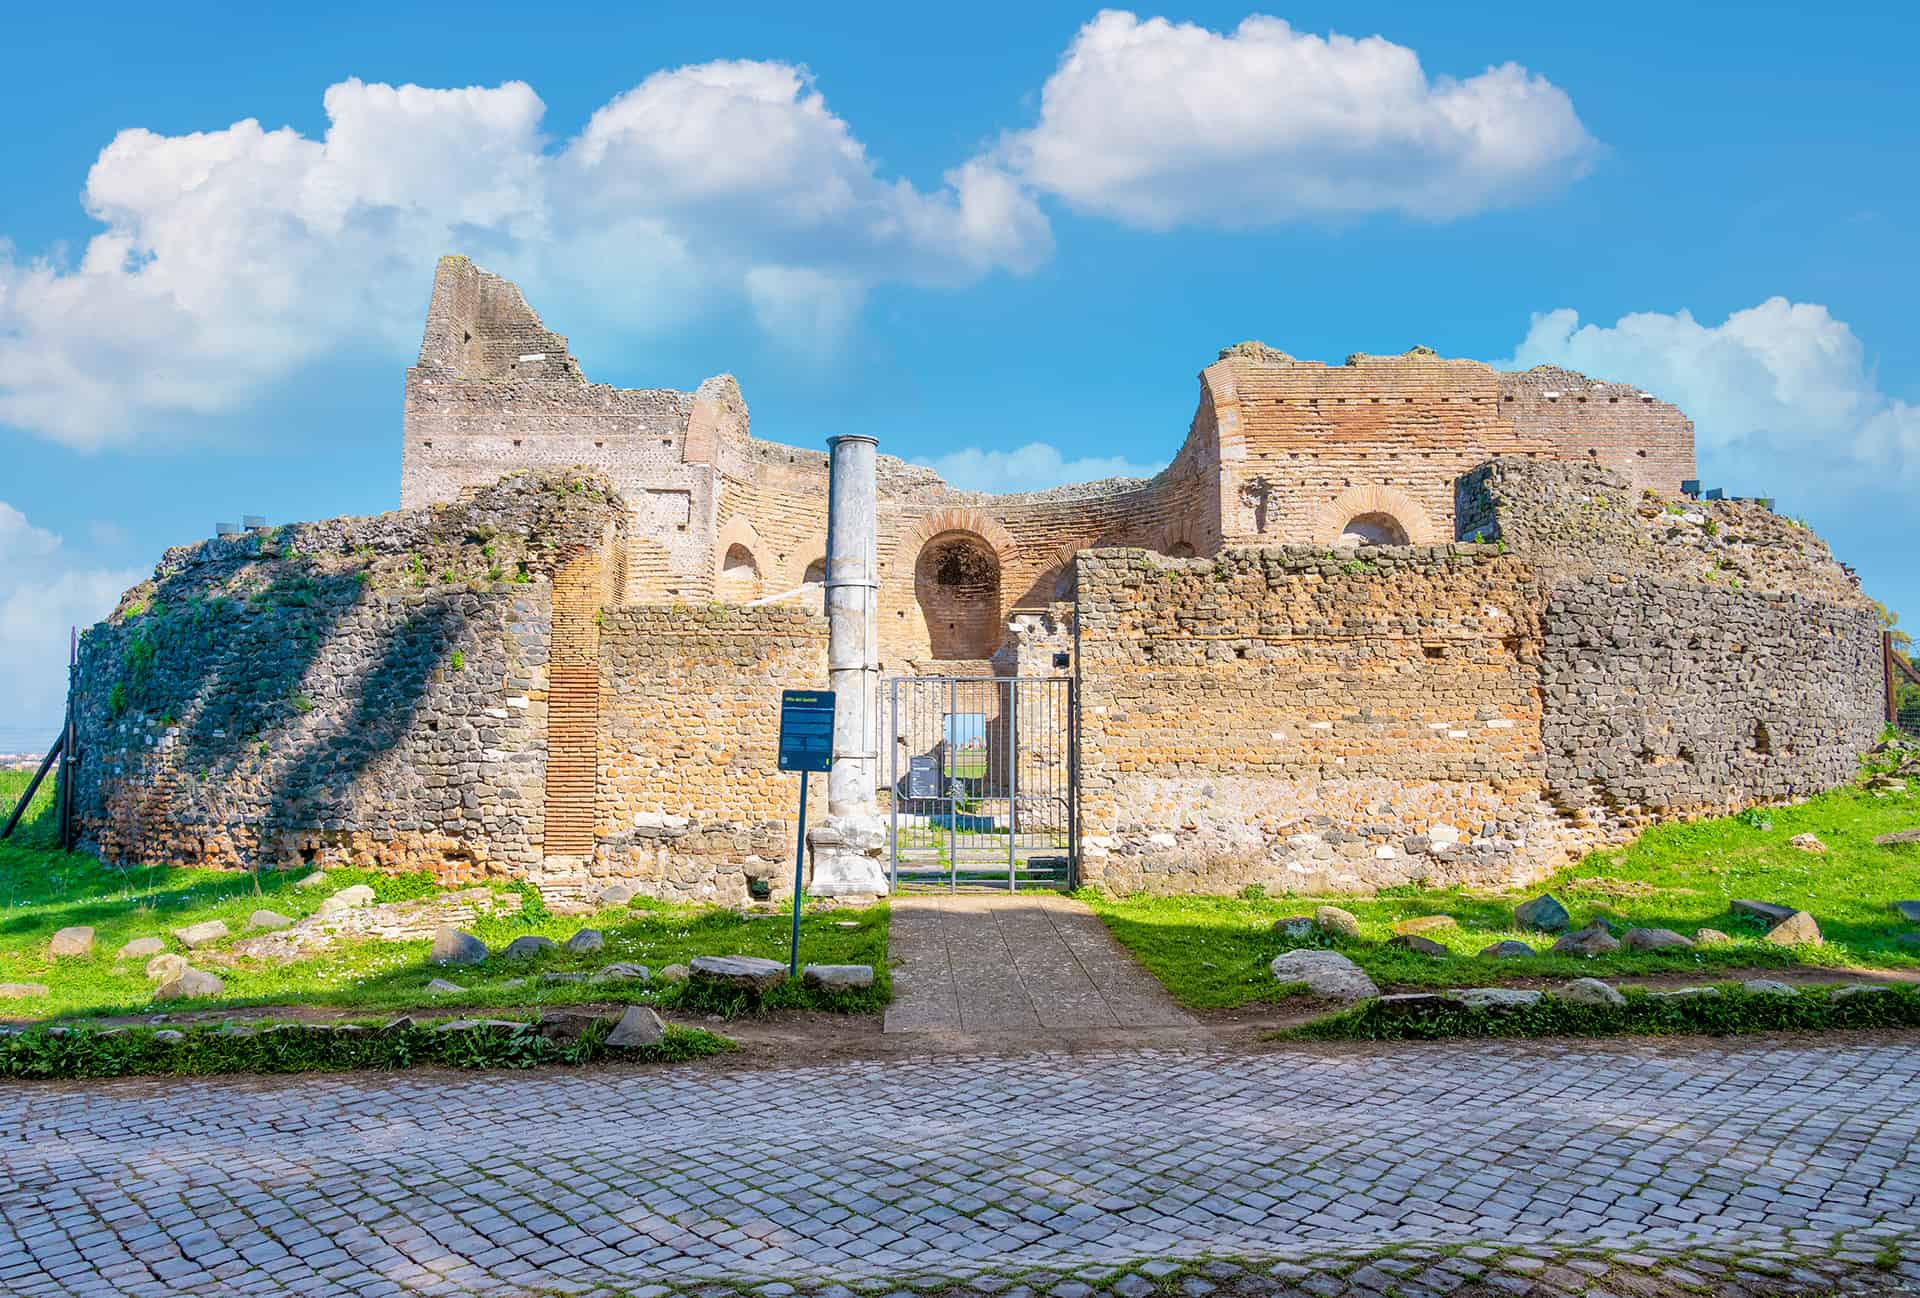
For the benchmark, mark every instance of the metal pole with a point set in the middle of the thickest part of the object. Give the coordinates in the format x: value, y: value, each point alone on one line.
x: 66, y: 755
x: 59, y: 746
x: 953, y: 803
x: 799, y: 881
x: 1013, y: 780
x: 893, y: 784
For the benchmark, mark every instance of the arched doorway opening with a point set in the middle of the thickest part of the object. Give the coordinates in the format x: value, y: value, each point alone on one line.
x: 1374, y: 529
x: 739, y: 575
x: 956, y: 580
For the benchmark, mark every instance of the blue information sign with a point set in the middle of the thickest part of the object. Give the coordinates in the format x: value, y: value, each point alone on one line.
x: 806, y: 730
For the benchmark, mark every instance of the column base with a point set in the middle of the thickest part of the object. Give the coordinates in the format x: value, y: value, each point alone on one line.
x: 848, y: 854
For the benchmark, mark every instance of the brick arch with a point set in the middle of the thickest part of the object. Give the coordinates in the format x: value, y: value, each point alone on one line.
x: 1371, y: 498
x: 1053, y: 582
x: 737, y: 531
x: 981, y: 524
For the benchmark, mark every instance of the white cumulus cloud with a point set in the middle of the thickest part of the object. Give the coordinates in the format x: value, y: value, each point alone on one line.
x: 1780, y: 393
x: 41, y: 598
x: 1160, y: 124
x: 1033, y: 467
x: 229, y: 258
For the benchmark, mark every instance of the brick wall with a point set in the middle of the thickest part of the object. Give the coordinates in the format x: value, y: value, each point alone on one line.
x: 691, y: 805
x: 1311, y: 722
x: 1616, y: 426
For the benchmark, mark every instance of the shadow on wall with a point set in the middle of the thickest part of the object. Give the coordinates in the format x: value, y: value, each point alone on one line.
x: 203, y: 702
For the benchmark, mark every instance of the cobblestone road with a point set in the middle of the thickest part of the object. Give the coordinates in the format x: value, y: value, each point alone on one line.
x: 1049, y: 1173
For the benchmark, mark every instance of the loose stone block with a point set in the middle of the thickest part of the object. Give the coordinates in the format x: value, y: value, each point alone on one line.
x: 1797, y: 929
x: 190, y: 983
x: 73, y: 941
x: 837, y: 977
x: 1421, y: 945
x: 205, y: 933
x: 1590, y: 941
x: 1296, y: 928
x: 1809, y: 843
x: 268, y: 920
x: 1766, y: 987
x: 1544, y: 914
x: 140, y: 948
x: 638, y: 1026
x: 1327, y: 974
x: 1589, y: 991
x: 586, y: 940
x: 740, y: 972
x: 528, y: 947
x: 620, y: 971
x: 1655, y: 939
x: 1494, y: 998
x: 1507, y: 950
x: 1424, y: 924
x: 1337, y: 922
x: 455, y: 946
x: 442, y: 987
x: 1769, y: 913
x: 165, y: 966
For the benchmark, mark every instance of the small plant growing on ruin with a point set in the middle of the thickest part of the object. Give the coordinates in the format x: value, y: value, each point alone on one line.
x: 301, y: 704
x: 449, y: 575
x: 521, y: 574
x: 1712, y: 528
x: 117, y: 701
x: 495, y: 573
x: 458, y: 661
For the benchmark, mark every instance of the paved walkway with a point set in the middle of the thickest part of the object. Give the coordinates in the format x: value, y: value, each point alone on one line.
x: 982, y: 964
x: 1009, y: 1170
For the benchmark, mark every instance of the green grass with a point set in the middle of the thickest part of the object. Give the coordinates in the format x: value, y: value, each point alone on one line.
x: 1212, y: 952
x: 305, y: 1048
x: 42, y: 890
x: 1732, y: 1012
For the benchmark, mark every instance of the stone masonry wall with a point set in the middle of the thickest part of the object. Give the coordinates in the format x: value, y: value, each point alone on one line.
x: 691, y: 805
x: 367, y: 691
x: 1700, y: 656
x: 1311, y: 722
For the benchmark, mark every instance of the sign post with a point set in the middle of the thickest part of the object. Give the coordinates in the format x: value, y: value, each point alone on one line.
x: 806, y: 745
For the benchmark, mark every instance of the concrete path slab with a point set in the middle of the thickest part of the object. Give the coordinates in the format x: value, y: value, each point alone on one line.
x: 981, y: 964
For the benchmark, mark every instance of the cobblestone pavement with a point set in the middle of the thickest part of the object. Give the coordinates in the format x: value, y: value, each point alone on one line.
x: 1479, y: 1167
x: 983, y: 964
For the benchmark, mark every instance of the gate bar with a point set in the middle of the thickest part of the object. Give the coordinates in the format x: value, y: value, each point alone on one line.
x: 59, y: 746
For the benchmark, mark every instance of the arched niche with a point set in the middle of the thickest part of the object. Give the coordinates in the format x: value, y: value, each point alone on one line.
x: 739, y: 579
x: 1378, y: 512
x: 956, y: 581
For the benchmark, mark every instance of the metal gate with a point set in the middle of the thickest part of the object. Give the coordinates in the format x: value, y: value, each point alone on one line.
x: 982, y: 782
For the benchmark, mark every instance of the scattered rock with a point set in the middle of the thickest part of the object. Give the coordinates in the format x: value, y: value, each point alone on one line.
x: 346, y: 899
x: 402, y: 1024
x: 1711, y: 937
x: 318, y: 879
x: 526, y: 948
x: 1808, y: 843
x: 268, y: 919
x: 1767, y: 912
x: 639, y: 1026
x: 1655, y: 939
x: 189, y: 983
x: 1421, y: 945
x: 1859, y: 989
x: 165, y: 966
x: 1908, y: 910
x: 140, y: 948
x: 1507, y: 950
x: 76, y: 940
x: 1766, y: 987
x: 1494, y: 998
x: 1686, y: 994
x: 169, y: 1036
x: 21, y: 991
x: 748, y: 973
x: 837, y: 977
x: 586, y: 940
x: 1424, y: 924
x: 1887, y: 784
x: 497, y: 1027
x: 1298, y: 928
x: 1895, y: 840
x: 566, y: 1025
x: 675, y: 973
x: 620, y: 970
x: 454, y: 946
x: 1590, y: 941
x: 616, y: 894
x: 1797, y: 929
x: 1544, y: 914
x: 1589, y: 991
x: 1339, y: 923
x: 566, y: 976
x: 1327, y: 974
x: 441, y: 987
x: 202, y: 934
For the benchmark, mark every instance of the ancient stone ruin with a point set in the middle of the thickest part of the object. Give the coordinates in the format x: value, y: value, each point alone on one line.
x: 1403, y: 618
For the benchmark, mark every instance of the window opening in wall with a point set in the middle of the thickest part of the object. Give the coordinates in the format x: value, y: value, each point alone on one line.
x: 817, y: 570
x: 1181, y: 550
x: 1762, y: 738
x: 956, y: 581
x: 1374, y: 529
x: 739, y: 575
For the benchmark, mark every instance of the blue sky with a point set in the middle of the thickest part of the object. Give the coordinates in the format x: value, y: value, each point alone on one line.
x: 968, y: 233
